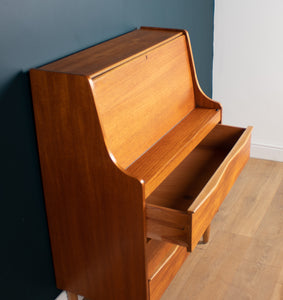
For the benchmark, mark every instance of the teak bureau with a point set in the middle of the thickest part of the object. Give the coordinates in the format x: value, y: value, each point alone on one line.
x: 135, y: 163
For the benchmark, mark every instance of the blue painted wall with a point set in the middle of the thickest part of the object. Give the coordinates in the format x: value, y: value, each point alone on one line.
x: 35, y: 32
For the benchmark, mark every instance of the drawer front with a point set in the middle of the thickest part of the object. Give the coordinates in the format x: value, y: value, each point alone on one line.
x: 166, y: 221
x: 161, y: 279
x: 209, y: 200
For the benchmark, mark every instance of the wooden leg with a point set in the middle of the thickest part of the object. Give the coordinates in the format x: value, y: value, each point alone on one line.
x: 206, y: 235
x: 71, y: 296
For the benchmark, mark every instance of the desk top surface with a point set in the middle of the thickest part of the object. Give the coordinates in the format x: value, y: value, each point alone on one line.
x: 98, y: 59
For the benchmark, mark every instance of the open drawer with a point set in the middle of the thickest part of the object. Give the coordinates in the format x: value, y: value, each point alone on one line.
x: 184, y: 204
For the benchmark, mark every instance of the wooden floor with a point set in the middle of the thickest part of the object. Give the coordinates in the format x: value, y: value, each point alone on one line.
x: 244, y: 258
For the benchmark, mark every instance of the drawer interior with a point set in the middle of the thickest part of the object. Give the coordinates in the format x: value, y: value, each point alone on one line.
x: 183, y: 185
x: 182, y: 207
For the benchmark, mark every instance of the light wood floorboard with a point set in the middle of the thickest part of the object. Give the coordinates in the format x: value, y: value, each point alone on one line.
x: 244, y: 258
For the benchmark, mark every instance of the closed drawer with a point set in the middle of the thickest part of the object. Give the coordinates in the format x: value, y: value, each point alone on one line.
x: 163, y: 262
x: 182, y: 207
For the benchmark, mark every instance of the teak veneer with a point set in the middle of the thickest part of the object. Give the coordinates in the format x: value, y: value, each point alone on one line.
x: 135, y: 162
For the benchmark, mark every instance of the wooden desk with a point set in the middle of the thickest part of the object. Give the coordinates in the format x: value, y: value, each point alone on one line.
x: 134, y: 162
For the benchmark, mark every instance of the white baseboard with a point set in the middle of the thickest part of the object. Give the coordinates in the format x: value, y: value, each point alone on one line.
x: 63, y: 296
x: 267, y: 152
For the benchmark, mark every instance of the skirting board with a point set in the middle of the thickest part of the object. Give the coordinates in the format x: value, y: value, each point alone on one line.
x: 63, y: 296
x: 267, y: 152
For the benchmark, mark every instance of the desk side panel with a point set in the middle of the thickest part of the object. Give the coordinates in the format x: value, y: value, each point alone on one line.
x: 95, y: 212
x: 202, y: 100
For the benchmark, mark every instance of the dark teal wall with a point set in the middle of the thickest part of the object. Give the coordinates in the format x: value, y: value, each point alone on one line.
x: 35, y: 32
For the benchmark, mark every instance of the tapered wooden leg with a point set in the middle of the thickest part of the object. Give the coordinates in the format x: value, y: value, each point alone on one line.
x: 71, y: 296
x: 206, y: 235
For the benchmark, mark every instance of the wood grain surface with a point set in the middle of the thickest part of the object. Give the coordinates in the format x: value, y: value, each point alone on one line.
x: 143, y: 99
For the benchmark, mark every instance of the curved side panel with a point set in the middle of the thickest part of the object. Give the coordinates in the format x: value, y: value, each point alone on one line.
x: 95, y: 212
x: 202, y: 100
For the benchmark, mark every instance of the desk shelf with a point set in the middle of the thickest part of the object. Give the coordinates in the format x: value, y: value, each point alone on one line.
x: 164, y: 156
